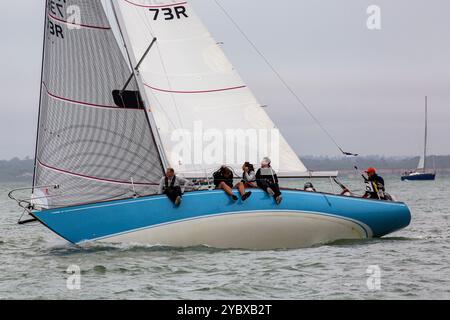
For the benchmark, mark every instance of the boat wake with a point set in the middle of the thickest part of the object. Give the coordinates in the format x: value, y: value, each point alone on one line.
x: 97, y: 247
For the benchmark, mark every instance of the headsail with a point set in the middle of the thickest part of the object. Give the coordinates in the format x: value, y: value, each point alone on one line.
x: 421, y: 166
x: 196, y: 95
x: 91, y: 146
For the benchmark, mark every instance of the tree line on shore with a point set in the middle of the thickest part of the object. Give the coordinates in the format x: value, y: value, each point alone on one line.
x: 21, y: 170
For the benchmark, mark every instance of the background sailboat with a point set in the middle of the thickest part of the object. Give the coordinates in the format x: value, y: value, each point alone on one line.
x: 421, y: 172
x: 105, y: 139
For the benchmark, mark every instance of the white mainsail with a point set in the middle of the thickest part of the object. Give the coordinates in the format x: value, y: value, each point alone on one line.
x: 423, y: 159
x: 196, y: 96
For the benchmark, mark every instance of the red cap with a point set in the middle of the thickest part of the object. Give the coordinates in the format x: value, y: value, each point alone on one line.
x: 371, y: 170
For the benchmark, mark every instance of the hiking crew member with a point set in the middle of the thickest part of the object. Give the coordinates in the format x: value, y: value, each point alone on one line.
x: 223, y: 179
x: 248, y: 181
x: 171, y: 185
x: 249, y: 176
x: 374, y: 185
x: 309, y: 187
x: 267, y: 180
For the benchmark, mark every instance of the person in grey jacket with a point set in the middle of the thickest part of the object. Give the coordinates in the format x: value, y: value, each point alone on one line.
x: 173, y: 186
x: 267, y: 180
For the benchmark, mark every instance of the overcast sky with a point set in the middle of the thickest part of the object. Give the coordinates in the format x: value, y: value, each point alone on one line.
x: 367, y: 87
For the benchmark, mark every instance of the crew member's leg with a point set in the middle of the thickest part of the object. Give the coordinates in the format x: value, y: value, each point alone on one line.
x: 277, y: 193
x: 174, y: 194
x: 276, y: 189
x: 228, y: 190
x: 264, y: 186
x: 171, y: 195
x: 240, y: 186
x: 244, y: 195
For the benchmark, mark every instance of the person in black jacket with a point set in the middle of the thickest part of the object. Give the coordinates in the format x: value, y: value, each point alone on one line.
x: 223, y: 179
x: 173, y: 186
x: 267, y: 180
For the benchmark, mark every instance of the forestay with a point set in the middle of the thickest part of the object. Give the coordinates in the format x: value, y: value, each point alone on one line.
x: 88, y: 145
x: 196, y: 96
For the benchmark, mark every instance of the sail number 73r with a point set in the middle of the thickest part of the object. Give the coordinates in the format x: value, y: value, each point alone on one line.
x: 178, y: 12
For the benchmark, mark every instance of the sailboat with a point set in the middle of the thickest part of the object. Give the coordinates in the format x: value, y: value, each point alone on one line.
x: 421, y: 173
x: 120, y: 87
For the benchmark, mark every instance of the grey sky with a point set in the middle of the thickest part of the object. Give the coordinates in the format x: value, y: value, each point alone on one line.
x: 367, y: 87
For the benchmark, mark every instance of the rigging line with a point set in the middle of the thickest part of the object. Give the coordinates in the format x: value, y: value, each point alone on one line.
x: 288, y: 87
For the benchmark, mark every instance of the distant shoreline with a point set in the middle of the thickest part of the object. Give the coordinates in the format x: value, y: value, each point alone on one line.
x: 398, y: 172
x: 389, y: 165
x: 21, y: 170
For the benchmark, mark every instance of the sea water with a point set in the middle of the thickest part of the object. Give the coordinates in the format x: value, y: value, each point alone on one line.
x: 413, y: 263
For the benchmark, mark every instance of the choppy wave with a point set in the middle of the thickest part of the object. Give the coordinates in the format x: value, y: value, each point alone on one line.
x: 414, y: 263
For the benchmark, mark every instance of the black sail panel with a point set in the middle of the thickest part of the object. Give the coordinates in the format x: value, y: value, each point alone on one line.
x: 90, y: 145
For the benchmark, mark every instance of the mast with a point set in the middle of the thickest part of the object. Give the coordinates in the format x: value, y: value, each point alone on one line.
x: 133, y: 62
x: 426, y: 136
x: 40, y: 95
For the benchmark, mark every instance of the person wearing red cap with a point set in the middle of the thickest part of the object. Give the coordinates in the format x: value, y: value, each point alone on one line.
x: 375, y: 185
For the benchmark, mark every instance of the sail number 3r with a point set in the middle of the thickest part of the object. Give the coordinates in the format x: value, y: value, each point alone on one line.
x: 169, y: 13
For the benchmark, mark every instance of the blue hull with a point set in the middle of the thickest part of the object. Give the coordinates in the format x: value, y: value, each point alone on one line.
x: 101, y: 221
x: 420, y: 177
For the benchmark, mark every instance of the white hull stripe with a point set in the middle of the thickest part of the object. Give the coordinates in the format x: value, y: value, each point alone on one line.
x: 366, y: 228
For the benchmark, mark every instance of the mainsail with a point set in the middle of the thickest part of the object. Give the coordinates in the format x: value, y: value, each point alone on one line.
x: 91, y: 146
x: 194, y: 91
x: 423, y: 159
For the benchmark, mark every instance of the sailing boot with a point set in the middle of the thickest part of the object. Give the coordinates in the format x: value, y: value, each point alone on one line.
x: 178, y: 201
x: 246, y: 195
